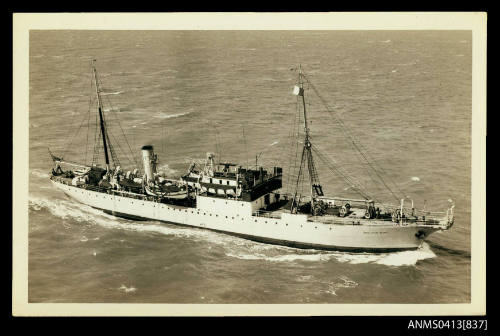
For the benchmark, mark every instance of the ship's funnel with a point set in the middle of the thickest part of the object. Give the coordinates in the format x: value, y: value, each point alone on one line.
x: 148, y: 162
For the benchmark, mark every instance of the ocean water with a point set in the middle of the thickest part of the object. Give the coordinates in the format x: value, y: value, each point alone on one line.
x: 404, y: 95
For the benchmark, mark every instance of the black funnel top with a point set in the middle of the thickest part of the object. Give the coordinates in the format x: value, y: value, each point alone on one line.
x: 147, y: 147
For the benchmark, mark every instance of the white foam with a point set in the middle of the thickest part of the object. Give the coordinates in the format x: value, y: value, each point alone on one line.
x: 304, y: 278
x: 113, y: 110
x: 407, y: 258
x: 357, y: 258
x: 274, y: 143
x: 403, y: 258
x: 415, y: 178
x: 82, y: 213
x: 127, y: 289
x: 280, y: 258
x: 168, y: 116
x: 111, y: 93
x: 344, y: 282
x: 39, y: 173
x: 68, y: 209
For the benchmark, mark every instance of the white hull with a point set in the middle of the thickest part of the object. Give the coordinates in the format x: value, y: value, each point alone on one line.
x: 235, y: 217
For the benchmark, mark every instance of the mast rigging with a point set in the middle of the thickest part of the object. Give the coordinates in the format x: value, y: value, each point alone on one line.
x: 315, y: 186
x: 101, y: 118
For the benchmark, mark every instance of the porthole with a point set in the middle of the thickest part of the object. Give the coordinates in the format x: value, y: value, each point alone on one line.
x: 286, y: 224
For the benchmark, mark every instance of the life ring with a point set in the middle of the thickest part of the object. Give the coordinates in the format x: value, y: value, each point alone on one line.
x: 367, y: 214
x: 344, y: 210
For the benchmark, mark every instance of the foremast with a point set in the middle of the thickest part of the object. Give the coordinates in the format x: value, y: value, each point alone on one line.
x: 306, y: 157
x: 101, y: 118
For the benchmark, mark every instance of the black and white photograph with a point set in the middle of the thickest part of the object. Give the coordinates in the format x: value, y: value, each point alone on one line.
x: 242, y: 166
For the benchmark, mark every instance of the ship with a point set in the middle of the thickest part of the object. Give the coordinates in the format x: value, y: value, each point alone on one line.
x: 243, y: 201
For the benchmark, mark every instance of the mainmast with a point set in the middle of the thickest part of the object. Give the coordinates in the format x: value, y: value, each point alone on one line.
x: 99, y: 106
x: 315, y: 186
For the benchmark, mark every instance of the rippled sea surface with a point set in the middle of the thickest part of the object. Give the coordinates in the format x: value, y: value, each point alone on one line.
x: 406, y: 97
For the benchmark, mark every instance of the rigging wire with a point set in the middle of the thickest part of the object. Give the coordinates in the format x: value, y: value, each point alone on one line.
x: 336, y: 169
x: 358, y: 146
x: 217, y: 147
x: 350, y: 136
x: 298, y: 125
x: 112, y: 110
x: 88, y: 121
x: 68, y: 145
x: 293, y: 143
x: 246, y: 150
x: 97, y: 147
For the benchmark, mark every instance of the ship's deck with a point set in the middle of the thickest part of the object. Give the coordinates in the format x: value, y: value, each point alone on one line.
x: 355, y: 217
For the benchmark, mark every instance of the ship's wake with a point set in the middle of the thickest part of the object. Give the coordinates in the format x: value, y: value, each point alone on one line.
x: 39, y: 173
x: 403, y: 258
x: 233, y: 247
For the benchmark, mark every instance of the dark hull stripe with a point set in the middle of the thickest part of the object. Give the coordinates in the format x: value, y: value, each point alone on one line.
x: 271, y: 240
x: 124, y: 215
